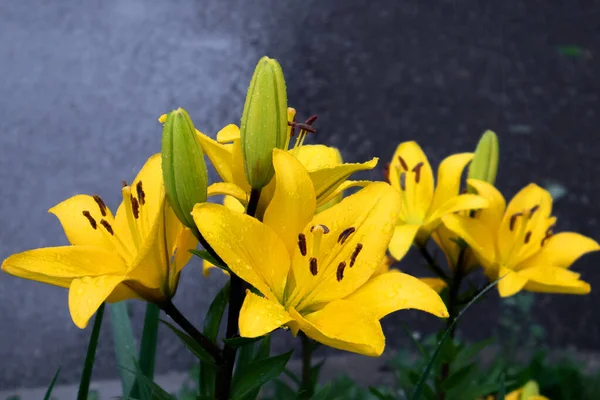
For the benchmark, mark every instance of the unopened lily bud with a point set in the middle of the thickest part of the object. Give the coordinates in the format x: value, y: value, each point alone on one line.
x: 530, y: 389
x: 183, y: 166
x: 264, y: 122
x: 485, y: 162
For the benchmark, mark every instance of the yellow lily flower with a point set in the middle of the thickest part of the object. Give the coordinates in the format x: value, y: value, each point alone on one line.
x: 518, y: 244
x: 422, y: 204
x: 138, y: 253
x: 530, y: 391
x: 315, y: 276
x: 324, y: 165
x: 436, y: 284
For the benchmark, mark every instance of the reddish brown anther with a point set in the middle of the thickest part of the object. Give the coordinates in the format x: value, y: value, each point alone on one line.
x: 339, y: 274
x: 140, y: 192
x: 345, y: 234
x: 90, y: 218
x: 101, y: 204
x: 386, y: 172
x: 533, y: 210
x: 135, y: 207
x: 302, y: 243
x: 357, y: 250
x: 417, y: 170
x: 403, y: 180
x: 403, y: 163
x: 124, y: 183
x: 527, y: 237
x: 513, y: 220
x: 107, y: 226
x: 313, y: 266
x: 325, y: 229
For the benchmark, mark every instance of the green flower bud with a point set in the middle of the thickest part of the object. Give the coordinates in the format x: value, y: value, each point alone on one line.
x: 264, y: 122
x: 485, y: 162
x: 183, y: 166
x: 530, y: 389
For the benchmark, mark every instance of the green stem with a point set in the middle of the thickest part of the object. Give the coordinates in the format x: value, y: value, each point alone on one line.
x: 236, y: 298
x: 306, y: 384
x: 433, y: 265
x: 90, y: 357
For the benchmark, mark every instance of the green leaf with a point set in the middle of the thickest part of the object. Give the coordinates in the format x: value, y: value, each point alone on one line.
x: 379, y: 395
x: 238, y: 341
x: 502, y: 390
x: 124, y: 344
x: 147, y: 385
x: 467, y: 354
x: 458, y: 377
x: 257, y: 374
x: 292, y: 376
x: 418, y: 391
x: 148, y: 346
x: 322, y: 394
x: 418, y: 344
x: 90, y: 357
x: 49, y: 391
x: 212, y: 322
x: 195, y: 347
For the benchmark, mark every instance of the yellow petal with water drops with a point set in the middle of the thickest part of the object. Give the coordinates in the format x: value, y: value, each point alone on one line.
x: 228, y: 134
x: 60, y: 265
x: 88, y: 293
x: 477, y: 235
x: 179, y: 239
x: 385, y: 265
x: 228, y: 189
x: 348, y: 242
x: 148, y: 189
x: 234, y: 204
x: 260, y: 316
x: 449, y: 178
x: 403, y: 237
x: 240, y: 241
x: 554, y: 280
x: 293, y: 204
x: 493, y: 213
x: 317, y: 156
x: 343, y: 325
x: 436, y: 284
x: 510, y: 282
x: 458, y: 203
x: 220, y: 156
x: 561, y: 250
x: 326, y: 180
x: 395, y: 291
x: 81, y: 217
x: 122, y: 292
x: 339, y: 191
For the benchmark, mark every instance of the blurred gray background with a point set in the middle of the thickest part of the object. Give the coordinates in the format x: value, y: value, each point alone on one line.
x: 82, y: 84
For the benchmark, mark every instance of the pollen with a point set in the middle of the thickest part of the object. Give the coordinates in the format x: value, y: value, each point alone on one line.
x: 140, y: 192
x: 533, y: 210
x: 417, y: 171
x: 403, y: 163
x: 513, y: 220
x: 313, y: 266
x: 90, y: 218
x: 107, y: 226
x: 357, y: 250
x: 101, y: 204
x: 340, y: 271
x: 527, y: 237
x: 135, y: 207
x: 345, y: 234
x: 302, y: 244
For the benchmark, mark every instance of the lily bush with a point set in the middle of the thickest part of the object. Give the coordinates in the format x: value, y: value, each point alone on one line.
x: 302, y: 255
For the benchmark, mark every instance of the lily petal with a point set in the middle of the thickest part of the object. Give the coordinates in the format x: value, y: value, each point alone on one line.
x: 370, y: 215
x: 436, y: 284
x: 511, y: 282
x: 458, y: 203
x: 491, y: 215
x: 228, y: 189
x: 317, y: 156
x: 88, y: 293
x: 220, y: 156
x: 60, y: 265
x: 240, y: 241
x: 477, y: 235
x: 395, y: 291
x: 326, y: 180
x: 228, y: 134
x: 343, y: 325
x: 338, y: 192
x: 82, y: 230
x: 448, y: 178
x: 561, y: 250
x: 293, y: 204
x: 260, y: 316
x: 403, y: 238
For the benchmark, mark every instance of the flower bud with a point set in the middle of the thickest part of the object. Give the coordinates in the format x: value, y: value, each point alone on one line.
x: 183, y: 166
x: 485, y: 162
x: 264, y: 122
x: 530, y: 389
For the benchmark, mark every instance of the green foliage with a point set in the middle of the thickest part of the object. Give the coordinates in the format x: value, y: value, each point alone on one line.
x: 90, y: 358
x: 49, y: 391
x: 124, y: 344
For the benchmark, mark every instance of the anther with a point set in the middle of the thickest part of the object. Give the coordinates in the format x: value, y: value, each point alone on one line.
x: 135, y: 207
x: 527, y: 237
x: 313, y: 266
x: 340, y: 271
x: 320, y: 227
x: 107, y: 226
x: 140, y: 193
x: 302, y: 243
x: 101, y: 204
x: 513, y: 220
x: 403, y: 180
x: 345, y: 234
x: 124, y: 183
x: 548, y: 235
x: 533, y: 210
x: 417, y: 170
x: 90, y: 218
x: 357, y: 250
x: 403, y: 163
x: 386, y: 172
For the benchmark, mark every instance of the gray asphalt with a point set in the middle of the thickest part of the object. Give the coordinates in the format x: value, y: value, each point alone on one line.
x: 83, y: 84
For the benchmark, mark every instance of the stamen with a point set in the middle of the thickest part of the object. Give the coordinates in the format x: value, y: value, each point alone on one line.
x: 417, y: 171
x: 90, y: 218
x: 403, y: 163
x: 135, y: 207
x: 533, y: 210
x: 548, y: 235
x: 101, y: 204
x: 124, y: 184
x: 403, y: 181
x: 311, y: 120
x: 302, y: 243
x: 140, y: 193
x: 527, y: 237
x: 107, y: 226
x: 357, y: 250
x: 345, y: 234
x: 386, y: 173
x: 313, y: 266
x: 340, y: 271
x: 320, y: 227
x: 513, y: 220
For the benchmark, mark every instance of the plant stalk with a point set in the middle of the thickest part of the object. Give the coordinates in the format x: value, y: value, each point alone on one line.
x: 306, y: 384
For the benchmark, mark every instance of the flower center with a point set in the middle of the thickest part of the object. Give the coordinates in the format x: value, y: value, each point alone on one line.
x: 305, y: 128
x: 408, y: 190
x: 529, y: 234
